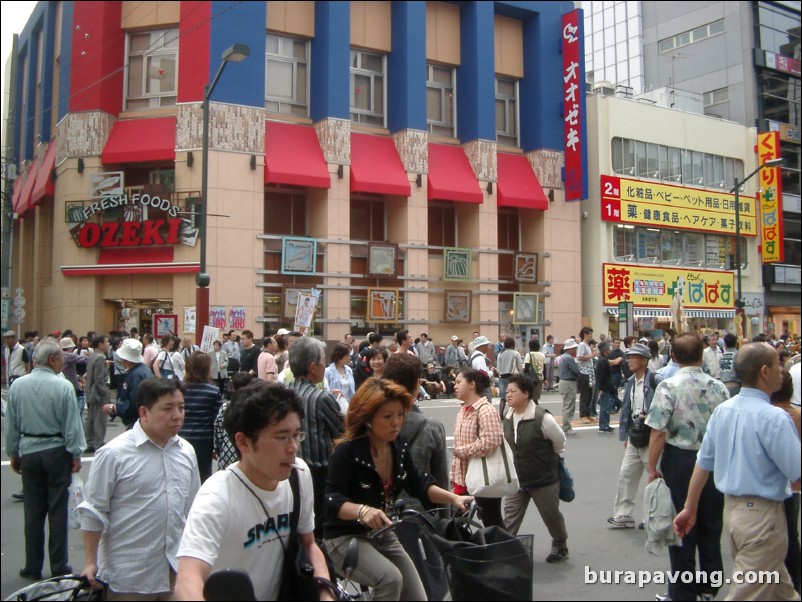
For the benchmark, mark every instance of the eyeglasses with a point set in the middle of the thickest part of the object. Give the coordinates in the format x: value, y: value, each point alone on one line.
x: 285, y: 439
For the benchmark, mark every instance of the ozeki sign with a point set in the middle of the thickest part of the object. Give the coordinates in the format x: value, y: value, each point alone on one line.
x: 130, y: 234
x: 574, y: 114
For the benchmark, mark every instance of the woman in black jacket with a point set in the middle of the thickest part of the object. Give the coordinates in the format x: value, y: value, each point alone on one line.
x: 368, y: 469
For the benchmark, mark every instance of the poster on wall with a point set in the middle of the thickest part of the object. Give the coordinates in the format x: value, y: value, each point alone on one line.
x: 189, y: 319
x: 217, y: 316
x: 305, y: 312
x: 236, y: 317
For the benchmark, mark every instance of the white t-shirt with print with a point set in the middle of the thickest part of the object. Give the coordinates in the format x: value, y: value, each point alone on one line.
x: 227, y: 527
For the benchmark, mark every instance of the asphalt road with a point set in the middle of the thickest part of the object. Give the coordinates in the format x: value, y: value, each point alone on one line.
x: 594, y: 460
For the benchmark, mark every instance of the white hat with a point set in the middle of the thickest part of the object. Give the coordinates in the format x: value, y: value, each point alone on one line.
x: 479, y: 341
x: 66, y: 343
x: 131, y: 350
x: 282, y: 331
x: 455, y: 338
x: 569, y: 344
x: 9, y: 333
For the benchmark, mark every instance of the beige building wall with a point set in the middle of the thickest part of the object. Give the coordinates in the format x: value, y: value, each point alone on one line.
x: 610, y: 117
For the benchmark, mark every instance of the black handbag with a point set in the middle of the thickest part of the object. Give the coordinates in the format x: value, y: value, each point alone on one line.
x: 298, y: 578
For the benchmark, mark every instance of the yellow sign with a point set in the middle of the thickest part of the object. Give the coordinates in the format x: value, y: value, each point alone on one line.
x: 663, y: 205
x: 771, y: 213
x: 655, y: 287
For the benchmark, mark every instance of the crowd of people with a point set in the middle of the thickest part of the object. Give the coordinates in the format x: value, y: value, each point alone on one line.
x: 314, y: 447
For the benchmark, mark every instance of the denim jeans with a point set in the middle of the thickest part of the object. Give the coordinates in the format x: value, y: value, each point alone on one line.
x: 383, y: 565
x: 606, y: 404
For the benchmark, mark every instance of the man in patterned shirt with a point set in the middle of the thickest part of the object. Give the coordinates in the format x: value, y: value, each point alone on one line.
x: 679, y: 414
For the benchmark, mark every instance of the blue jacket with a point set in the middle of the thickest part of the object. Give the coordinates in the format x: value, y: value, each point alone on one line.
x: 626, y: 406
x: 126, y: 394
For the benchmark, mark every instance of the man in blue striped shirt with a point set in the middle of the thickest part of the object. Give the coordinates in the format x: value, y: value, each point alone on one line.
x: 754, y: 452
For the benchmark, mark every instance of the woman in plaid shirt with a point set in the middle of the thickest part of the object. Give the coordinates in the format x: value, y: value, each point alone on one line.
x: 476, y: 434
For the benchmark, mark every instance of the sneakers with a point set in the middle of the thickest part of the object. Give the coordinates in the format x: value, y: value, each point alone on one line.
x: 622, y: 520
x: 608, y: 430
x: 557, y: 555
x: 570, y: 433
x: 586, y: 420
x: 18, y: 495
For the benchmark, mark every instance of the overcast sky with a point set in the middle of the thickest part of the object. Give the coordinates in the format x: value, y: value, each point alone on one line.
x: 14, y: 17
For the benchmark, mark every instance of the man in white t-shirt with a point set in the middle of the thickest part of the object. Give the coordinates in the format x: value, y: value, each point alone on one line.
x: 241, y: 516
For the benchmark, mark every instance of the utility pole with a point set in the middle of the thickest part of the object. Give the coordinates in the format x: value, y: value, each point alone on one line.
x: 9, y: 175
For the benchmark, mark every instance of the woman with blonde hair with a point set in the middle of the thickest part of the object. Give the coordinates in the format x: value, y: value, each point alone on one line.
x: 369, y: 468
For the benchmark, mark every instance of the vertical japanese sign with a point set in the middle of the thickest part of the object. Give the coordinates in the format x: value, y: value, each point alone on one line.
x: 217, y: 316
x: 236, y: 317
x: 574, y: 114
x: 770, y: 200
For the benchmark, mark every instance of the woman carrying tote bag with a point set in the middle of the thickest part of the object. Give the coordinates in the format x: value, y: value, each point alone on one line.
x: 477, y: 433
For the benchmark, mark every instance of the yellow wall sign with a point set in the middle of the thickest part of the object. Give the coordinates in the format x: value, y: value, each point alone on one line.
x: 772, y: 248
x: 663, y: 205
x: 655, y: 287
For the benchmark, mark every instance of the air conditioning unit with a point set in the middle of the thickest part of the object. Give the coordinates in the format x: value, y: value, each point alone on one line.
x: 604, y: 88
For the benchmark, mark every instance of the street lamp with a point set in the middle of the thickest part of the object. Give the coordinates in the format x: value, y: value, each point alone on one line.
x: 235, y: 53
x: 739, y: 302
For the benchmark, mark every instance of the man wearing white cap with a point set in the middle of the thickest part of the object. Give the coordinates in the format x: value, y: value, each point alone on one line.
x: 479, y: 360
x: 569, y: 375
x: 130, y: 353
x: 452, y: 353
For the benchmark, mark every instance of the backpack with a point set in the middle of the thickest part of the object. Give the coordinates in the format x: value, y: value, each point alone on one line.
x: 532, y: 370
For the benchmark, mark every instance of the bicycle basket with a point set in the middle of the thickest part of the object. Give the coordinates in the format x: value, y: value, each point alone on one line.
x: 492, y: 571
x: 67, y: 587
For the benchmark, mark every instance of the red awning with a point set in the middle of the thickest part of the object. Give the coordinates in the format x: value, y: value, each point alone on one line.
x: 518, y: 185
x: 451, y: 176
x: 140, y: 260
x: 141, y: 141
x: 24, y: 200
x: 44, y: 185
x: 293, y: 156
x: 376, y: 166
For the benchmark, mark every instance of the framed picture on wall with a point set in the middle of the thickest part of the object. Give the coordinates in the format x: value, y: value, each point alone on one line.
x: 458, y: 306
x: 290, y: 294
x: 456, y: 264
x: 382, y: 259
x: 526, y: 267
x: 298, y: 256
x: 382, y: 304
x: 525, y: 306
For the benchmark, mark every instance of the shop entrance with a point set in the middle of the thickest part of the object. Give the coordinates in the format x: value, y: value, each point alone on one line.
x: 138, y: 313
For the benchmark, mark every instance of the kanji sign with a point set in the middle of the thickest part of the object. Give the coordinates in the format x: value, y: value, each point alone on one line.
x: 664, y: 205
x: 770, y: 199
x: 574, y: 126
x: 654, y: 287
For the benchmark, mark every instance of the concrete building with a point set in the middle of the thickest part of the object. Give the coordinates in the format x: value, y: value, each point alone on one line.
x: 658, y: 228
x: 737, y: 61
x: 402, y: 158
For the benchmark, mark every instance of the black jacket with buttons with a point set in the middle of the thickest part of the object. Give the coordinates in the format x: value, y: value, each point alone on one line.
x: 353, y: 478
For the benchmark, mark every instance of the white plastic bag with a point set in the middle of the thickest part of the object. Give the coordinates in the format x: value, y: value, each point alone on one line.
x: 493, y: 475
x: 76, y: 490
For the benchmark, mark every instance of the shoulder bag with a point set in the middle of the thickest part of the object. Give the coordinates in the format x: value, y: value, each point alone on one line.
x: 567, y: 493
x: 494, y: 475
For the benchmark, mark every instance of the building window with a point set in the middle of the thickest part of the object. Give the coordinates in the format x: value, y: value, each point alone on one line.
x: 689, y: 37
x: 152, y: 69
x: 442, y: 227
x: 506, y: 112
x: 440, y: 100
x: 287, y: 75
x: 654, y: 246
x: 367, y: 220
x: 367, y: 88
x: 715, y: 97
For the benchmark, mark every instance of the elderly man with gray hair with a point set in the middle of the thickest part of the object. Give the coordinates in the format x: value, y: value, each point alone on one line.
x: 44, y: 439
x: 322, y: 420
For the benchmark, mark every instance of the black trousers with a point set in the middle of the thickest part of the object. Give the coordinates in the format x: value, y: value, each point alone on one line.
x: 204, y: 449
x: 319, y: 476
x: 677, y: 466
x: 46, y: 475
x: 585, y: 395
x: 793, y: 561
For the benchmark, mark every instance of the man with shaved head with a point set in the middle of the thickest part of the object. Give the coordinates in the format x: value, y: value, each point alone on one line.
x: 753, y: 451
